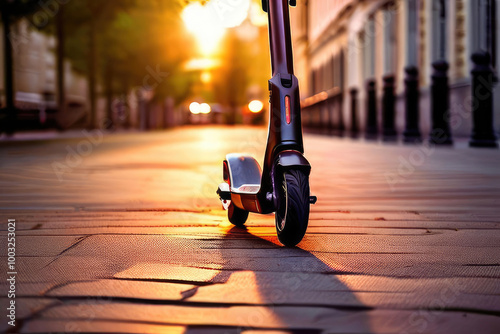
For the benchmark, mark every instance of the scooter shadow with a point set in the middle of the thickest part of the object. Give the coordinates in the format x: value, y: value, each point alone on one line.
x: 291, y: 286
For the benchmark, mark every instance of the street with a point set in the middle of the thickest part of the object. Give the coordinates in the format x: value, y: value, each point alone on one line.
x: 124, y: 233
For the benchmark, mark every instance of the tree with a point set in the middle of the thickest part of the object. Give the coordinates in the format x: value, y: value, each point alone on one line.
x: 119, y: 43
x: 99, y: 14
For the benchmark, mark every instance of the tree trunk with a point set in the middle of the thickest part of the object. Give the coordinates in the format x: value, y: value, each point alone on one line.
x: 109, y: 96
x: 92, y: 73
x: 61, y: 94
x: 9, y: 118
x: 125, y: 88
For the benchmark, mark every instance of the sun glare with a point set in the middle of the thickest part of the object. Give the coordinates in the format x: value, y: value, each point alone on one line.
x: 206, y: 77
x: 208, y: 34
x: 209, y: 22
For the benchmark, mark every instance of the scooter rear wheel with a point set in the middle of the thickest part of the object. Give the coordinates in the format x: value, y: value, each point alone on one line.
x: 293, y: 204
x: 236, y: 215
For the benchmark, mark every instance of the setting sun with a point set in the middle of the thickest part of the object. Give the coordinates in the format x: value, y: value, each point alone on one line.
x: 207, y: 33
x: 209, y: 22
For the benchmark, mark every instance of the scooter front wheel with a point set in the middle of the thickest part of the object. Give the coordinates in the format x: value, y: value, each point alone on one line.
x: 236, y: 215
x: 293, y: 204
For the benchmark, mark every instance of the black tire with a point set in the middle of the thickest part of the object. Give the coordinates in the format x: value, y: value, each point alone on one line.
x: 292, y: 214
x: 236, y: 215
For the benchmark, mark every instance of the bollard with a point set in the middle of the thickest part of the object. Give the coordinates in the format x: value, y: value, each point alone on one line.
x: 440, y: 105
x: 388, y: 105
x: 483, y: 78
x: 341, y: 124
x: 371, y: 106
x: 412, y: 104
x: 354, y: 111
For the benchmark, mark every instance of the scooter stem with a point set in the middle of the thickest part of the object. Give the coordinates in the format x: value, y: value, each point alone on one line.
x: 247, y: 188
x: 280, y: 37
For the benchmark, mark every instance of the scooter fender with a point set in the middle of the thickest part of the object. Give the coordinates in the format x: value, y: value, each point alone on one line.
x: 244, y: 177
x: 291, y: 159
x: 244, y: 173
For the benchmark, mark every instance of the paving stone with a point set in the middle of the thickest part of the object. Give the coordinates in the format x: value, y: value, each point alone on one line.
x: 123, y: 289
x: 24, y: 308
x: 24, y: 289
x: 42, y: 246
x: 71, y: 326
x: 167, y: 272
x: 331, y: 320
x: 28, y: 268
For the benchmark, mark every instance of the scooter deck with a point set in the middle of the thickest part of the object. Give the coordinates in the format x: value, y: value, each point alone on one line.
x: 245, y: 198
x: 247, y: 189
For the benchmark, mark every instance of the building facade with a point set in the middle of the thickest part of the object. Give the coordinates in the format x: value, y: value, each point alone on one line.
x: 398, y: 68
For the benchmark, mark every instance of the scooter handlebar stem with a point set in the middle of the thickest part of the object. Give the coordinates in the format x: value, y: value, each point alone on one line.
x: 280, y: 37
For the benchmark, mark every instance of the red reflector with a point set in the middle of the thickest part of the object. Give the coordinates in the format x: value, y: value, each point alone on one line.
x: 288, y: 110
x: 226, y: 173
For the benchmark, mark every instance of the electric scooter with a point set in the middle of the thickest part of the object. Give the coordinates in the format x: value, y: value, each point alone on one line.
x: 282, y: 186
